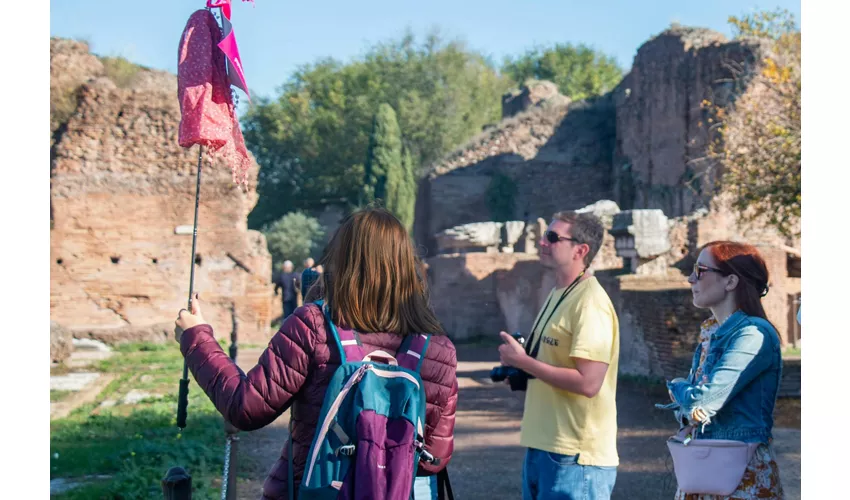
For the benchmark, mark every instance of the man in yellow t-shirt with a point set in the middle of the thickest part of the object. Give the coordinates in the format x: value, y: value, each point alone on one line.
x: 570, y: 420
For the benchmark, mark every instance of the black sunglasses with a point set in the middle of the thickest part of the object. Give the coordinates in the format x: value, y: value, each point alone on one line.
x: 553, y: 237
x: 699, y: 269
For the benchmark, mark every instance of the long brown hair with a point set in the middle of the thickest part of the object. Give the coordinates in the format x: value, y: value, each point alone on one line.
x: 746, y: 262
x: 373, y: 281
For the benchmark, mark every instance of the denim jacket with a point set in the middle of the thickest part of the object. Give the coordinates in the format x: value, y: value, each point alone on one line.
x: 744, y: 368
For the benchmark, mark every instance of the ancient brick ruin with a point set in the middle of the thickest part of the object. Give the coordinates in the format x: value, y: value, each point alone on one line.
x: 122, y: 207
x: 641, y: 147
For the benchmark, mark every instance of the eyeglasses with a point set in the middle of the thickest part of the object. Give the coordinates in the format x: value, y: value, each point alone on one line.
x: 699, y: 269
x: 553, y: 237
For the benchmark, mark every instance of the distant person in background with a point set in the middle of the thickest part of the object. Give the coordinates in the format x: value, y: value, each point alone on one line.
x: 286, y: 280
x: 308, y: 277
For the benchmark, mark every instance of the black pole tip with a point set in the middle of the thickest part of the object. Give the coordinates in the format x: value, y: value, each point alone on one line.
x: 176, y: 474
x: 177, y: 484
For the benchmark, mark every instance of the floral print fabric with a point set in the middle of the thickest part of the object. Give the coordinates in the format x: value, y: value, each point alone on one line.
x: 208, y: 115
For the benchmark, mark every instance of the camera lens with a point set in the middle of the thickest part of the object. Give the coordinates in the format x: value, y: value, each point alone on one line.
x: 498, y: 373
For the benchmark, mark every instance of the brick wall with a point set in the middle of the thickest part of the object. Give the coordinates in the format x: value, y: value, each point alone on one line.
x: 120, y: 185
x: 478, y: 294
x: 558, y: 157
x: 543, y: 188
x: 659, y: 328
x: 662, y: 130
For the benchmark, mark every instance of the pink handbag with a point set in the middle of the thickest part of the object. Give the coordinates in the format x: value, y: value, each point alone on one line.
x: 709, y: 466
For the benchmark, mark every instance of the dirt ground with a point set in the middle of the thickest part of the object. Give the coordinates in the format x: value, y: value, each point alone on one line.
x: 487, y: 462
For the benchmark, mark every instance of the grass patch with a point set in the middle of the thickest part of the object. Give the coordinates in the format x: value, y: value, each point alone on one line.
x: 135, y: 347
x: 150, y: 362
x: 791, y: 351
x: 136, y: 444
x: 120, y: 70
x: 58, y: 395
x: 60, y: 369
x: 252, y: 346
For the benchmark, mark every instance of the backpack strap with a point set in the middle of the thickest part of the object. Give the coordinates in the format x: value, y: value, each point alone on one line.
x: 411, y: 353
x: 347, y: 341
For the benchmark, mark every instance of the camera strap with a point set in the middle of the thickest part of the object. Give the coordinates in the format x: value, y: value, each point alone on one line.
x: 533, y: 352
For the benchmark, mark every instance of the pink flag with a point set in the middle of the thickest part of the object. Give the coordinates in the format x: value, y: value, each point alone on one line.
x: 208, y: 116
x: 228, y: 45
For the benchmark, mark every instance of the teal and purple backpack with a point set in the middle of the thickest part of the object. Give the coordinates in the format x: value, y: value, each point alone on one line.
x: 370, y: 436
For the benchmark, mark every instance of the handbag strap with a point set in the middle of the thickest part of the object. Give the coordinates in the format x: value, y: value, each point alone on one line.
x: 291, y: 469
x: 444, y: 486
x: 685, y: 434
x: 688, y: 433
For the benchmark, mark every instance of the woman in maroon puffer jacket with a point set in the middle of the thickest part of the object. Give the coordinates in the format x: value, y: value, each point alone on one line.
x: 372, y: 284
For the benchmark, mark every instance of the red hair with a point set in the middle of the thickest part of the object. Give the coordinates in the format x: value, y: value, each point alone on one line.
x: 745, y: 262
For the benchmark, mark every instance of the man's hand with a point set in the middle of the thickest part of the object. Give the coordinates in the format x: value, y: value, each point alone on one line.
x: 511, y: 352
x: 186, y: 320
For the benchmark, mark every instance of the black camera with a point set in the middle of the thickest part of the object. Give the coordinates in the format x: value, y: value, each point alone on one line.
x: 517, y: 378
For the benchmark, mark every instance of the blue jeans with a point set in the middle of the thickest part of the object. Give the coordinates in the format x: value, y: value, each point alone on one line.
x: 425, y: 488
x: 550, y: 476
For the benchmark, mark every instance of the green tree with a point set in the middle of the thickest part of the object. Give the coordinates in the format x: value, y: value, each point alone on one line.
x: 383, y: 173
x: 759, y: 144
x: 311, y: 140
x: 578, y: 70
x: 295, y: 236
x: 404, y: 199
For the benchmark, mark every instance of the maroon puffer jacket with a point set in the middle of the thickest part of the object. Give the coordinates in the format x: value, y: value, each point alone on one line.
x: 295, y: 370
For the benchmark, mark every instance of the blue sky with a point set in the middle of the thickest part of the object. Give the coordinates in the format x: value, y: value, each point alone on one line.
x: 276, y: 36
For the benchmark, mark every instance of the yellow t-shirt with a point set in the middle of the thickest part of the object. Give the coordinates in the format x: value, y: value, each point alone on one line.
x: 584, y: 326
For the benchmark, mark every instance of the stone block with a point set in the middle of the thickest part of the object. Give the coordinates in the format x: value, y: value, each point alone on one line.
x: 641, y: 233
x: 61, y: 342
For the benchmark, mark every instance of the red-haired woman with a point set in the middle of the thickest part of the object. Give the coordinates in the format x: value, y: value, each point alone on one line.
x: 731, y: 390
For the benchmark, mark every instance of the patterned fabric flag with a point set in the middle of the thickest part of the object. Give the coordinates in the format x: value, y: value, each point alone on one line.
x: 208, y: 115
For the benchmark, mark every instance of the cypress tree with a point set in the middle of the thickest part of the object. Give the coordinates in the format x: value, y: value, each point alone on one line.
x: 383, y: 169
x: 405, y: 200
